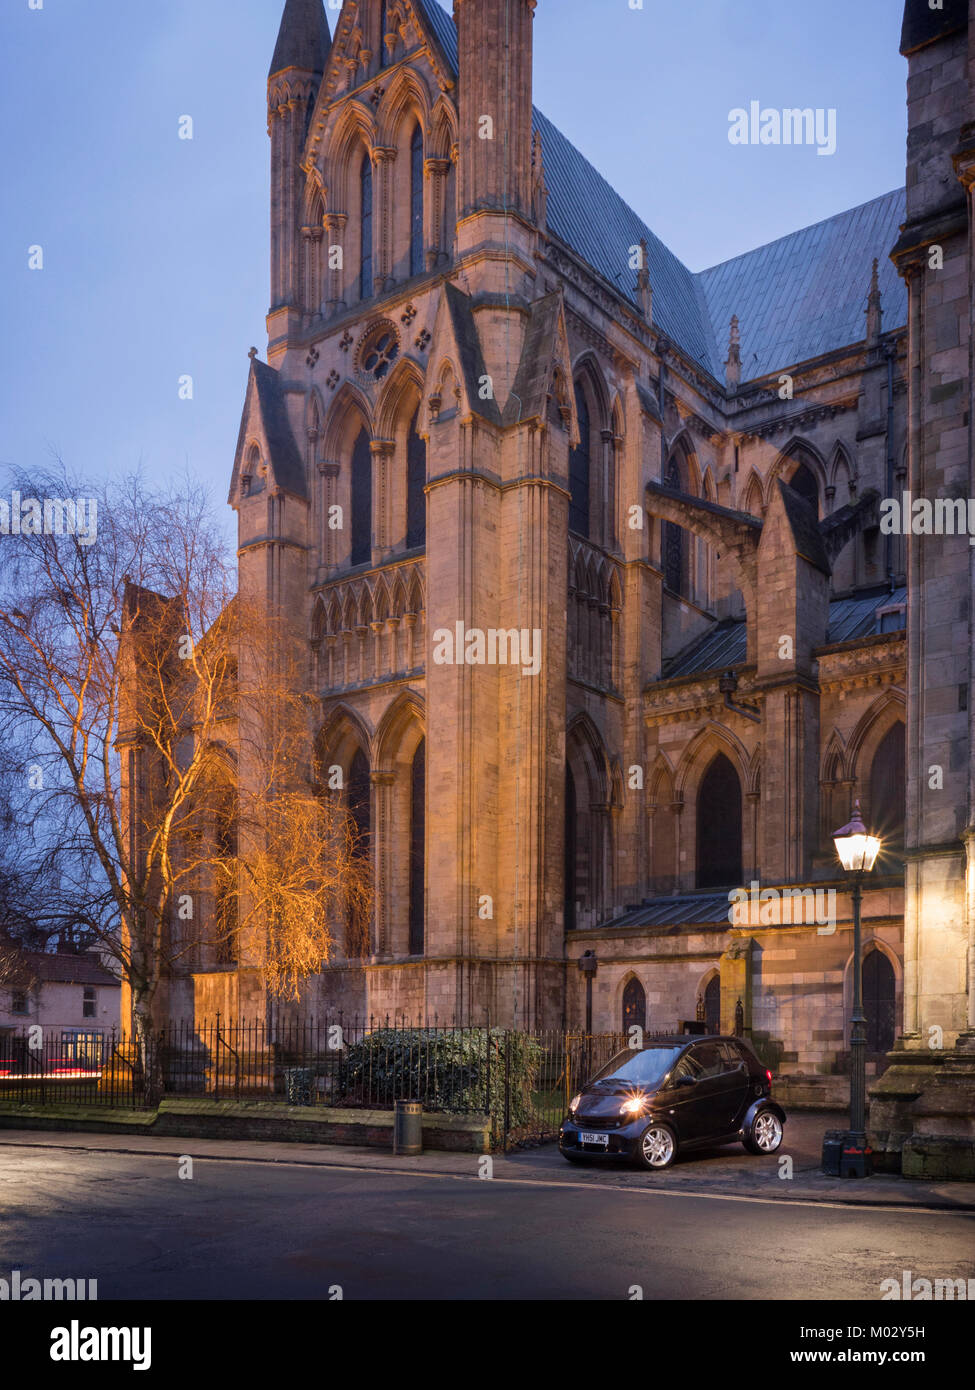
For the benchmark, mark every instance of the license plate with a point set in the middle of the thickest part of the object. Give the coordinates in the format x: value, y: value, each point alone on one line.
x: 601, y: 1139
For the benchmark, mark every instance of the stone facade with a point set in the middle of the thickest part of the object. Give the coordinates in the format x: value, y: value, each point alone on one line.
x: 467, y: 423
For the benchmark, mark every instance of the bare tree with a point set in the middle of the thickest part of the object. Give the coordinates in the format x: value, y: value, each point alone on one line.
x: 152, y: 709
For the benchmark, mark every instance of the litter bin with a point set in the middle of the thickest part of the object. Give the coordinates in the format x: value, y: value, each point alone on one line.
x: 408, y: 1127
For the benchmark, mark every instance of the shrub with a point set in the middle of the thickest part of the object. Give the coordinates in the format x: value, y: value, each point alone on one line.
x: 460, y: 1071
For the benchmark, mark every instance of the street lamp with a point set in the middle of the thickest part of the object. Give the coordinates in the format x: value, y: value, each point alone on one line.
x: 857, y: 850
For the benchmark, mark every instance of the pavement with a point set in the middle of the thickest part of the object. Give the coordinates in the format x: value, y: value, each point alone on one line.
x: 792, y: 1175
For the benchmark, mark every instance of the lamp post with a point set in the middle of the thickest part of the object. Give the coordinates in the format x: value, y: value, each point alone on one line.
x: 857, y: 850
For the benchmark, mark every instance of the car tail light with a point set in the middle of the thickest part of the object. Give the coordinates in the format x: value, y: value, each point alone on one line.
x: 768, y: 1077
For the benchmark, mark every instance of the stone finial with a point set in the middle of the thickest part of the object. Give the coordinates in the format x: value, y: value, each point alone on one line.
x: 732, y: 366
x: 252, y: 354
x: 874, y: 310
x: 644, y: 288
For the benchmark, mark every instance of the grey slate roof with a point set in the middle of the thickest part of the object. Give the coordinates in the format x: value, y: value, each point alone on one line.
x: 796, y: 298
x: 725, y: 645
x: 806, y: 294
x: 685, y: 909
x: 303, y: 39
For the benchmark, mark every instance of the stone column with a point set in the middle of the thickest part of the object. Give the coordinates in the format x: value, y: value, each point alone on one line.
x: 334, y: 270
x: 383, y: 159
x: 328, y: 490
x: 383, y: 451
x: 435, y: 209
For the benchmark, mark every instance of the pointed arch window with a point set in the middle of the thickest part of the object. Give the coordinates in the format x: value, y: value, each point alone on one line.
x: 712, y: 1004
x: 416, y: 481
x: 418, y: 782
x: 359, y: 807
x: 719, y: 856
x: 580, y: 469
x: 416, y: 201
x: 361, y: 520
x: 384, y: 54
x: 571, y: 849
x: 674, y: 540
x: 365, y: 248
x: 888, y: 792
x: 804, y: 482
x: 634, y: 1005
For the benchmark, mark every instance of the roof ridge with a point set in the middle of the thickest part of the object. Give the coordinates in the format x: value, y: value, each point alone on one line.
x: 798, y: 231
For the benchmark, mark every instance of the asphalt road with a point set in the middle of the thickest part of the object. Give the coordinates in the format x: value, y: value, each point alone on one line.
x: 252, y: 1230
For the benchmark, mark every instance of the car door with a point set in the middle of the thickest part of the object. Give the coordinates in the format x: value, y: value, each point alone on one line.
x: 696, y: 1105
x: 738, y: 1080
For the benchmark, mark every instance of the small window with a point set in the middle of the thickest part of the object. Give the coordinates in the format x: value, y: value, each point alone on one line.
x: 89, y: 1001
x: 733, y: 1059
x: 18, y: 1003
x: 710, y: 1060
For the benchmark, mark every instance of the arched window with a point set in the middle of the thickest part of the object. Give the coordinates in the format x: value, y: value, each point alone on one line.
x: 571, y: 831
x: 418, y: 774
x: 361, y: 500
x: 719, y: 857
x: 634, y: 1005
x: 879, y: 1002
x: 416, y: 481
x: 365, y: 245
x: 383, y: 31
x: 416, y: 201
x: 712, y: 1004
x: 359, y: 806
x: 579, y: 469
x: 673, y: 539
x: 888, y: 791
x: 225, y: 895
x: 804, y: 482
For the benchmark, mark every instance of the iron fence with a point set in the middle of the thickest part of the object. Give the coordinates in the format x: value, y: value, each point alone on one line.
x: 523, y: 1080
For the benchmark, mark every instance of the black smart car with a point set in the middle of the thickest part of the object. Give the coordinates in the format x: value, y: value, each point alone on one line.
x: 675, y: 1094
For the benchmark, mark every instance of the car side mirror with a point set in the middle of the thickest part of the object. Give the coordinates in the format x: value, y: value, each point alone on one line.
x: 686, y: 1081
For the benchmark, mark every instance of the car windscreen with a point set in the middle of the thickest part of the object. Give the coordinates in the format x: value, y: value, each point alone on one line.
x: 645, y: 1068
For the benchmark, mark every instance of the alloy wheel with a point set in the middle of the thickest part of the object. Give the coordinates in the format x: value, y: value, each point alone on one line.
x: 658, y: 1147
x: 767, y: 1132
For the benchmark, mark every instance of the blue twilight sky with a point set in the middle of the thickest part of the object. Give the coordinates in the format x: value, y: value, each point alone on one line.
x: 156, y: 249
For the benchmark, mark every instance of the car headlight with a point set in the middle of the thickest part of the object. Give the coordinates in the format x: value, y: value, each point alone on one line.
x: 574, y: 1103
x: 633, y: 1106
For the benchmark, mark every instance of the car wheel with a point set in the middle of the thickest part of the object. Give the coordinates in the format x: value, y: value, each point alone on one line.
x: 657, y: 1147
x: 765, y: 1135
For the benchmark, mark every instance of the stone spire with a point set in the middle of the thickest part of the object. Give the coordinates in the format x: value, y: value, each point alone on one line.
x: 303, y: 39
x: 732, y: 367
x: 874, y: 311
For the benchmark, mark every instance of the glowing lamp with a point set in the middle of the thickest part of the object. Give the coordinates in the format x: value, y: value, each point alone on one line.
x: 856, y: 847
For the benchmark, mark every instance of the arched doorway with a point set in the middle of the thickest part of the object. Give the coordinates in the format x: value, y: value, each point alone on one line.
x: 719, y: 856
x: 712, y: 1004
x: 634, y: 1005
x: 879, y: 1003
